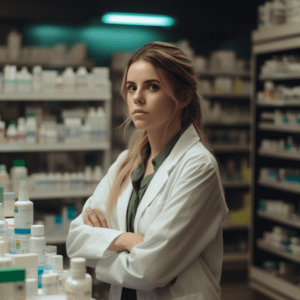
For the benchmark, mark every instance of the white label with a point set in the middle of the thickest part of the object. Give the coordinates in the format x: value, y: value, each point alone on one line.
x: 22, y: 246
x: 23, y: 216
x: 75, y: 293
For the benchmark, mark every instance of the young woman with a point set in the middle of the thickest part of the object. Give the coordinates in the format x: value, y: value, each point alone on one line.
x: 152, y: 228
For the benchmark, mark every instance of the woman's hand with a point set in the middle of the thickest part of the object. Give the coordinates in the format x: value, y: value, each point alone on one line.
x: 93, y: 217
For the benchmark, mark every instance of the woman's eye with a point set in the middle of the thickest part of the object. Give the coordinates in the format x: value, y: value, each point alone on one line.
x: 131, y: 88
x: 153, y: 87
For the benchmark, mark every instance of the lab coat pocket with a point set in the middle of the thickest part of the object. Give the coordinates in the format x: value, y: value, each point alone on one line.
x: 148, y: 216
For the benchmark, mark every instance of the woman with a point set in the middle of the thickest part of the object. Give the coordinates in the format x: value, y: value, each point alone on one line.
x: 152, y: 228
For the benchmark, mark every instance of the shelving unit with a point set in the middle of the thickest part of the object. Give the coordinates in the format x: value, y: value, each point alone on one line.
x: 234, y: 189
x: 279, y: 41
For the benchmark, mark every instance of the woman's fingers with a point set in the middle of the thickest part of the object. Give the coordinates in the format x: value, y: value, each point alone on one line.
x: 100, y: 217
x: 87, y: 220
x: 93, y: 219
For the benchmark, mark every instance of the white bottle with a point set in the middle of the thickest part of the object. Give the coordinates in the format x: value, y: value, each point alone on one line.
x: 14, y: 45
x: 10, y: 79
x: 4, y: 229
x: 57, y: 265
x: 78, y: 285
x: 91, y: 120
x: 102, y: 123
x: 21, y: 243
x: 69, y: 78
x: 31, y: 288
x: 31, y: 129
x: 50, y: 284
x: 88, y: 176
x: 23, y: 211
x: 37, y: 79
x: 18, y: 173
x: 24, y: 81
x: 82, y: 79
x: 21, y: 131
x: 38, y: 243
x: 98, y: 174
x: 4, y: 179
x: 12, y: 133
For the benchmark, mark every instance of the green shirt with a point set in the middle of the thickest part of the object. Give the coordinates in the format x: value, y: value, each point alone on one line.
x: 140, y: 185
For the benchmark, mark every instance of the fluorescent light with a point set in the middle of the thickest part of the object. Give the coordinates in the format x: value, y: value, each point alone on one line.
x: 138, y: 19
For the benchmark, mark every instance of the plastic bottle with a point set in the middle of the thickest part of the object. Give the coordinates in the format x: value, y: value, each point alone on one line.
x: 69, y: 78
x: 4, y: 179
x: 88, y: 176
x: 14, y: 45
x: 10, y: 76
x: 23, y: 212
x: 37, y: 79
x: 31, y: 129
x: 50, y: 284
x: 21, y: 131
x: 102, y: 123
x: 18, y: 173
x: 82, y: 79
x: 57, y: 264
x: 38, y: 243
x: 12, y: 133
x: 24, y: 81
x: 91, y: 120
x: 4, y: 229
x: 31, y: 288
x: 79, y: 284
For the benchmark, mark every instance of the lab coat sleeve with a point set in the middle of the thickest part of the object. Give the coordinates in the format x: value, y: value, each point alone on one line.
x: 92, y: 242
x: 188, y: 223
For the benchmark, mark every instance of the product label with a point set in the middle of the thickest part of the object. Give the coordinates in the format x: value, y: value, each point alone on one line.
x: 16, y: 209
x: 22, y: 246
x: 23, y: 216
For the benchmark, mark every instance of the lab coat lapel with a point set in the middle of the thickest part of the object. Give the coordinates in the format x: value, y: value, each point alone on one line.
x: 122, y: 206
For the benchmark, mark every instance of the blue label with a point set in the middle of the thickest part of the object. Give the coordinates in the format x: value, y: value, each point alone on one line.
x: 22, y: 231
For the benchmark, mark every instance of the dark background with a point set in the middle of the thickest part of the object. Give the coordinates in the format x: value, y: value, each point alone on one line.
x: 208, y: 25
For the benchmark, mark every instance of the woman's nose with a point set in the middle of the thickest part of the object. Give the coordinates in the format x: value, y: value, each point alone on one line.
x: 138, y: 97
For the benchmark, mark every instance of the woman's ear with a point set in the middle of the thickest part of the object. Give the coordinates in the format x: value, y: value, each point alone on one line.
x: 187, y: 99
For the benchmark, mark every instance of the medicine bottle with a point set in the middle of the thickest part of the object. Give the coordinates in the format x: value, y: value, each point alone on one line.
x: 18, y: 173
x: 38, y: 243
x: 50, y: 284
x: 79, y: 284
x: 4, y: 229
x: 57, y: 264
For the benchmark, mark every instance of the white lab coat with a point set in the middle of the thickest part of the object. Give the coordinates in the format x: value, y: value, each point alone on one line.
x: 180, y: 217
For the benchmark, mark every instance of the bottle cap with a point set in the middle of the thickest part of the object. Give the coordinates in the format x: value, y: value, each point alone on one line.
x: 49, y: 278
x: 19, y: 163
x: 3, y: 168
x: 12, y: 275
x: 57, y: 262
x: 78, y: 267
x: 37, y: 230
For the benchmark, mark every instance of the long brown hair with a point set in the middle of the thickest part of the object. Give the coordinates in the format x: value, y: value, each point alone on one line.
x: 180, y: 71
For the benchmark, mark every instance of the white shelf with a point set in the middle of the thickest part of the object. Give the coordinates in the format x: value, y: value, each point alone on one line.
x: 230, y: 122
x: 279, y: 103
x: 282, y: 128
x: 278, y: 218
x: 227, y: 95
x: 58, y: 194
x: 279, y: 154
x: 277, y: 285
x: 286, y: 255
x: 280, y: 76
x: 54, y: 147
x: 288, y: 187
x: 224, y: 73
x: 275, y: 32
x: 44, y: 63
x: 105, y: 95
x: 235, y: 184
x: 235, y: 257
x: 230, y: 148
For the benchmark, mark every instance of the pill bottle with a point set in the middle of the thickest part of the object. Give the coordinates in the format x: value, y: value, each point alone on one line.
x: 50, y: 284
x: 57, y: 265
x: 38, y: 243
x: 4, y: 229
x: 18, y: 173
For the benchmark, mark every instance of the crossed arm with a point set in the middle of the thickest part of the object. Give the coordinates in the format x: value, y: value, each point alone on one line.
x: 123, y: 242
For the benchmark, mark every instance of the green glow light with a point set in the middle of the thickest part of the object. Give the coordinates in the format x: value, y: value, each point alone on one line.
x: 138, y: 19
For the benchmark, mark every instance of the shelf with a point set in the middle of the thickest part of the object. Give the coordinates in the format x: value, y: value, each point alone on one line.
x: 224, y: 73
x: 55, y: 147
x: 230, y: 148
x: 227, y: 123
x: 88, y: 64
x: 282, y: 76
x: 59, y: 194
x: 235, y: 227
x: 235, y: 257
x: 278, y: 218
x: 279, y: 154
x: 274, y: 284
x: 284, y: 254
x: 105, y: 95
x: 281, y: 128
x: 235, y: 185
x: 227, y: 95
x: 288, y: 187
x: 275, y: 32
x: 279, y: 103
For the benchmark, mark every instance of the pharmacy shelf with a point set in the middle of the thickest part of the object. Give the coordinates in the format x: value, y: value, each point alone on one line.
x: 55, y: 239
x: 288, y: 187
x: 235, y: 257
x: 229, y: 122
x: 53, y: 64
x: 235, y: 184
x: 215, y: 73
x: 279, y: 219
x: 281, y: 128
x: 279, y: 154
x: 230, y: 148
x: 273, y: 286
x: 104, y: 95
x: 105, y: 145
x: 263, y: 246
x: 280, y: 76
x: 59, y: 194
x: 279, y: 103
x: 227, y: 96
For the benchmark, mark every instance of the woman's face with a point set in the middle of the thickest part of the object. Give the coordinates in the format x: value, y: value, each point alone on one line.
x: 150, y: 106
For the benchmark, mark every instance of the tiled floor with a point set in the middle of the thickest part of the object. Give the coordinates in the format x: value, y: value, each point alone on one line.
x: 234, y: 287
